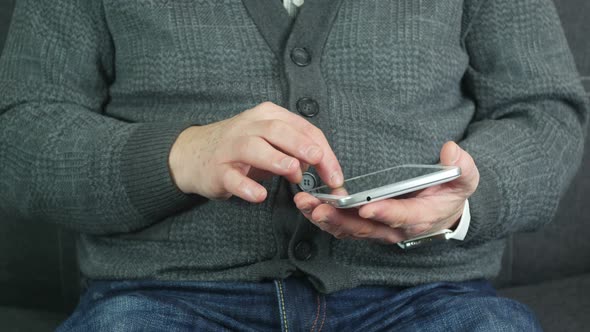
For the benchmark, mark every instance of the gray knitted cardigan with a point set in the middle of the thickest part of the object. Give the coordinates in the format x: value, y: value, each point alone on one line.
x: 93, y: 94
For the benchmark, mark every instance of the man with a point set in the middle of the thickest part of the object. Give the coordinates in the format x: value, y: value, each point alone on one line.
x: 141, y: 124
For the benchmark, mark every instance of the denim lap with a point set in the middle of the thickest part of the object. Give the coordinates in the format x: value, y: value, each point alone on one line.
x: 294, y: 305
x: 175, y: 306
x: 469, y: 306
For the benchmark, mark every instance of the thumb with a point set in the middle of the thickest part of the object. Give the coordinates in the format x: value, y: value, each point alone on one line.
x: 452, y: 154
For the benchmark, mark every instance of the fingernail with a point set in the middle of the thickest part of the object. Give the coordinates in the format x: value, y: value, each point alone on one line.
x: 305, y: 209
x: 261, y: 193
x: 287, y: 162
x: 336, y: 179
x: 323, y: 220
x: 312, y: 151
x: 252, y: 193
x: 255, y: 194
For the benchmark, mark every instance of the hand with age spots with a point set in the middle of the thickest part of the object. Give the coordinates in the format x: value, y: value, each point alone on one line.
x: 397, y: 219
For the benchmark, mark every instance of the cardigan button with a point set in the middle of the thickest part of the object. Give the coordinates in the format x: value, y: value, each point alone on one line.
x: 303, y: 251
x: 300, y: 56
x: 308, y: 107
x: 308, y: 182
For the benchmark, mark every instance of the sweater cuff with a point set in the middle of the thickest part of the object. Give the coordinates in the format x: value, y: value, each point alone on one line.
x: 486, y: 208
x: 146, y: 173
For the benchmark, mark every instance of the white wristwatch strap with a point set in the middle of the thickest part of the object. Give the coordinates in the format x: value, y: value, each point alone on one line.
x: 461, y: 231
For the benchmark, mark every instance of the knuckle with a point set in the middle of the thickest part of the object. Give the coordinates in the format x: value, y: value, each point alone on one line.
x: 226, y: 183
x: 311, y: 130
x: 219, y: 192
x: 396, y: 224
x: 318, y: 134
x: 266, y: 105
x: 239, y: 147
x: 275, y: 127
x: 399, y: 220
x: 245, y: 144
x: 244, y: 113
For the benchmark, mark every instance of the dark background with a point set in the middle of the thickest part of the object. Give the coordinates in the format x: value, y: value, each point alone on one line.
x: 5, y: 13
x: 35, y: 257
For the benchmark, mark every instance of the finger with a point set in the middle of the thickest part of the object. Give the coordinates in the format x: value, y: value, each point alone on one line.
x: 257, y: 152
x: 236, y: 183
x: 346, y: 223
x: 340, y: 191
x: 328, y: 167
x: 306, y: 202
x: 398, y: 213
x: 414, y: 211
x: 288, y: 139
x: 452, y: 155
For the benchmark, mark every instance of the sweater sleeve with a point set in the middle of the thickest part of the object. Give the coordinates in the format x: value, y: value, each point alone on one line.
x: 61, y: 159
x: 528, y: 131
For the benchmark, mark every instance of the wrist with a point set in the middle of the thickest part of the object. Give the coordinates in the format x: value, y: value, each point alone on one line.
x: 458, y: 233
x: 178, y: 160
x: 462, y: 226
x: 145, y: 170
x: 457, y: 218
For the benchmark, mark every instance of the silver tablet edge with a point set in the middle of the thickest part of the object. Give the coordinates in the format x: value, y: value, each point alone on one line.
x: 389, y: 191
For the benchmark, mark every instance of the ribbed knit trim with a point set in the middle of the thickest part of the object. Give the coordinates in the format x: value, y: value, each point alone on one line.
x: 486, y: 208
x: 146, y: 174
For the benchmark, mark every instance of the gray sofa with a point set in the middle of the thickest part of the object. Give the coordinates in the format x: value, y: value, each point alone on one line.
x: 549, y: 270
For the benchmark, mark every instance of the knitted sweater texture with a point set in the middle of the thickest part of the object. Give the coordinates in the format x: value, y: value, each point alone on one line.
x: 94, y: 93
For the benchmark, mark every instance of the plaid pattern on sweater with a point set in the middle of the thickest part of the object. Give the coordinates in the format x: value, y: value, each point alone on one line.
x: 94, y: 93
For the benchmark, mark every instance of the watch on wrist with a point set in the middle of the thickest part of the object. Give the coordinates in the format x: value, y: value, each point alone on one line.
x: 426, y: 240
x: 443, y: 235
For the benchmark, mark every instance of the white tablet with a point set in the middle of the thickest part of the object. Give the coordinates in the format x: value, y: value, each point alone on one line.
x: 387, y: 183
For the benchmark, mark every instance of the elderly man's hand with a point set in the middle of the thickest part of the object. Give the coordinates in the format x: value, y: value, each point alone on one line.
x: 394, y: 220
x: 229, y: 157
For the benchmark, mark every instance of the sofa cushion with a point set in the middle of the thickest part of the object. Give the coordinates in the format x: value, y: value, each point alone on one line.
x: 574, y: 17
x: 560, y: 249
x: 5, y: 14
x: 562, y: 305
x: 29, y: 265
x: 16, y: 319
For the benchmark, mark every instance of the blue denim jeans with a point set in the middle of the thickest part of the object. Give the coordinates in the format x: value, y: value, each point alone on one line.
x: 293, y: 305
